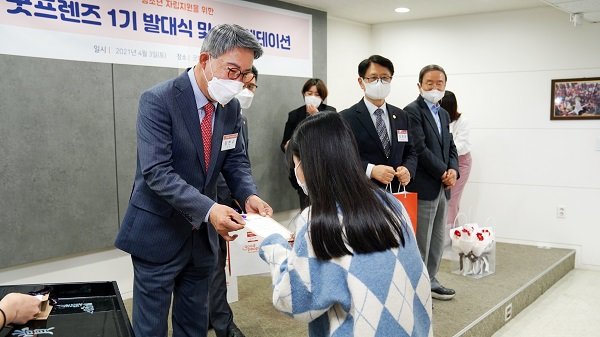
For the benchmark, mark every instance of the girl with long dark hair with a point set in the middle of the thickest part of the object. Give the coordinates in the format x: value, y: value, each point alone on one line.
x: 354, y: 269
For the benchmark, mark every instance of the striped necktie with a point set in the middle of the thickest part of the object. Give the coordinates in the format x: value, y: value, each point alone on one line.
x: 382, y: 132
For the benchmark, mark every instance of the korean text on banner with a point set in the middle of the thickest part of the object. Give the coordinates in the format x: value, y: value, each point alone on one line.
x: 151, y: 32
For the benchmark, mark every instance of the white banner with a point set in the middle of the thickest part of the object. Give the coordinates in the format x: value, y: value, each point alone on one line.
x: 159, y: 33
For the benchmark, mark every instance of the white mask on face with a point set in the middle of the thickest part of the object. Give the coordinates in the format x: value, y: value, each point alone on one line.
x: 245, y: 97
x: 313, y: 100
x: 432, y: 96
x: 302, y: 186
x: 377, y: 89
x: 221, y: 90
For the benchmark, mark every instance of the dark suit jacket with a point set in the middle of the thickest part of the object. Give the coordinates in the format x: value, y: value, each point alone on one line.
x: 294, y: 118
x: 223, y: 192
x: 172, y: 189
x: 436, y: 153
x: 369, y: 144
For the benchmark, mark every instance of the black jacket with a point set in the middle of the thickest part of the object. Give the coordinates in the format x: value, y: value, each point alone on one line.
x: 294, y: 118
x: 369, y: 144
x: 436, y: 153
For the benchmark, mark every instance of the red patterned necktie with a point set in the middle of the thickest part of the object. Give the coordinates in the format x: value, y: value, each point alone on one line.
x: 206, y: 129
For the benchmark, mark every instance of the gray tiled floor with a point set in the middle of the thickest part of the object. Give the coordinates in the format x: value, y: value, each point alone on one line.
x: 570, y: 308
x: 567, y: 309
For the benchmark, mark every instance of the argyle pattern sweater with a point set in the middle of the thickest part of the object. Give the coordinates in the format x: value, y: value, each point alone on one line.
x: 380, y: 294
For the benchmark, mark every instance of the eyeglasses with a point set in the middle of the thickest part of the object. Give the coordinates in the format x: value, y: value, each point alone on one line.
x: 251, y: 86
x: 384, y: 79
x: 235, y: 73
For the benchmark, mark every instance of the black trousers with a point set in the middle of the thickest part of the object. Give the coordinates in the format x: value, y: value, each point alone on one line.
x: 220, y: 313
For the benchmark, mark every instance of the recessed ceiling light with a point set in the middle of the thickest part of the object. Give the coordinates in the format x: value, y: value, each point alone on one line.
x: 402, y: 10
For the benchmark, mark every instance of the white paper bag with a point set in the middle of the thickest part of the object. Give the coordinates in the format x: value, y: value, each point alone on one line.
x: 232, y: 288
x: 243, y: 255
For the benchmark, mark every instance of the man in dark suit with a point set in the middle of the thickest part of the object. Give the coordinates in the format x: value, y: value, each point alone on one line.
x: 220, y: 314
x: 381, y: 129
x: 436, y: 173
x: 186, y: 135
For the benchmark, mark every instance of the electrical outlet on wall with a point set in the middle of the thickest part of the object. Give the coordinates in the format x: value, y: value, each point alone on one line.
x: 508, y: 312
x: 561, y: 211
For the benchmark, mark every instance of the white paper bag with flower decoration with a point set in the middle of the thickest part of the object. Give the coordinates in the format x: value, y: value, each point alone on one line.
x: 243, y: 251
x: 476, y: 249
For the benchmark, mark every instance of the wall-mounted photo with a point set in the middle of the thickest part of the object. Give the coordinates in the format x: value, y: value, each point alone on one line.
x: 575, y: 98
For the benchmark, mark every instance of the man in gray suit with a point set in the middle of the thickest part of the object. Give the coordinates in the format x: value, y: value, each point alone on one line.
x: 220, y: 314
x: 437, y: 170
x: 187, y: 131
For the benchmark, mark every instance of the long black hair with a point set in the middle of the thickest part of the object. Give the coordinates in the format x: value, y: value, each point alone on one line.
x: 328, y: 154
x: 449, y: 104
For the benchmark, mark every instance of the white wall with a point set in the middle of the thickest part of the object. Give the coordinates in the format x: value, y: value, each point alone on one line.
x: 348, y: 43
x: 500, y: 66
x: 109, y: 265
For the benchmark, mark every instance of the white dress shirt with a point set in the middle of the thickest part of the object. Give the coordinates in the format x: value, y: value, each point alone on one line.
x: 372, y: 107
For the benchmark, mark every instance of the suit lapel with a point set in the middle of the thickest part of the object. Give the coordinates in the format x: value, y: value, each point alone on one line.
x: 392, y: 116
x: 445, y: 134
x: 245, y: 131
x: 189, y: 111
x: 429, y: 117
x: 244, y: 136
x: 364, y: 117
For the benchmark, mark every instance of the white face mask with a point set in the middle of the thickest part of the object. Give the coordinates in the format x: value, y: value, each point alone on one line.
x: 313, y: 100
x: 377, y: 89
x: 245, y: 97
x: 302, y: 186
x: 432, y: 96
x: 221, y: 90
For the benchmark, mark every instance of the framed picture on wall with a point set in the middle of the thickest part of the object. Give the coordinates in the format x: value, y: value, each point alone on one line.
x: 575, y: 98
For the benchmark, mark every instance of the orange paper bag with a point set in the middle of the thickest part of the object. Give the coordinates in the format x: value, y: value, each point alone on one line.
x: 410, y: 201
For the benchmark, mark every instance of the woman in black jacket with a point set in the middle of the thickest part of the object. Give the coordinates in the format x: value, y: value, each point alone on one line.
x: 314, y: 92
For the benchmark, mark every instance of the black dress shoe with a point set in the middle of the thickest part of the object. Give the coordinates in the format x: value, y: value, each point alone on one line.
x: 234, y: 331
x: 442, y: 293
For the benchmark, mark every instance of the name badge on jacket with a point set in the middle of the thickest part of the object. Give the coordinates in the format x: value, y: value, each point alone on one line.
x: 229, y: 141
x: 402, y: 136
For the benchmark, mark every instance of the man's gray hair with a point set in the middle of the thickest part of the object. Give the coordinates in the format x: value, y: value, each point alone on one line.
x: 226, y: 37
x: 431, y: 67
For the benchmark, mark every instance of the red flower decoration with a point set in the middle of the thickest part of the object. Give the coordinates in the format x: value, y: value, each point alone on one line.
x: 457, y: 233
x: 479, y: 236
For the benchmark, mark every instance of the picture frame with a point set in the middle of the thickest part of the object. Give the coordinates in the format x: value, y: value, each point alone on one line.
x: 575, y: 99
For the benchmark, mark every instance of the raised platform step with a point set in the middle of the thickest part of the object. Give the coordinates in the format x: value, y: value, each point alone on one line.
x: 523, y: 273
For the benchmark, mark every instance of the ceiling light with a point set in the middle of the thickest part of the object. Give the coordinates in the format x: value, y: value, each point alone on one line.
x: 402, y: 10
